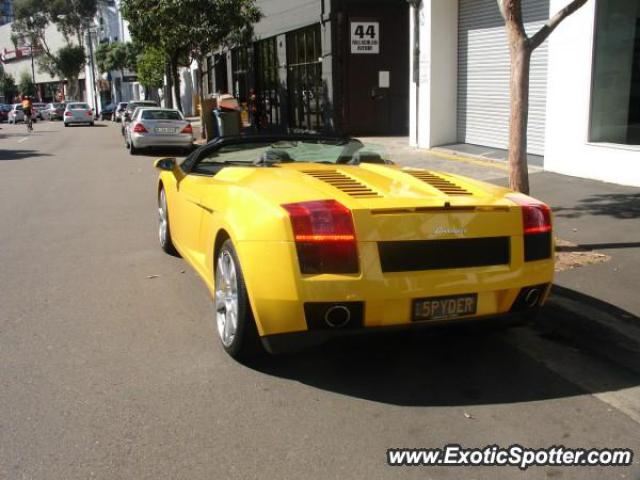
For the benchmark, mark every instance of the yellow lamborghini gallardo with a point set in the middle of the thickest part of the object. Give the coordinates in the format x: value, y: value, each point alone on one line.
x: 300, y: 238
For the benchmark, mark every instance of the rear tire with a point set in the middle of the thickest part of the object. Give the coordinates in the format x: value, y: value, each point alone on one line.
x: 132, y: 150
x: 234, y: 319
x: 164, y: 229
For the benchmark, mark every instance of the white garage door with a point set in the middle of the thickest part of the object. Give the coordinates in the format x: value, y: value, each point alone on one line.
x: 483, y: 75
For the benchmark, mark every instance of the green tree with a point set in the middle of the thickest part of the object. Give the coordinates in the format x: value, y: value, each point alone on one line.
x: 151, y: 66
x: 72, y: 18
x: 117, y: 56
x: 26, y: 85
x: 8, y: 87
x: 68, y: 62
x: 194, y: 27
x: 223, y: 23
x: 162, y: 24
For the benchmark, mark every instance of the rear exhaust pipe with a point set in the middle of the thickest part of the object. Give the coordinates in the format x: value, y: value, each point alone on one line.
x: 532, y: 298
x: 337, y: 316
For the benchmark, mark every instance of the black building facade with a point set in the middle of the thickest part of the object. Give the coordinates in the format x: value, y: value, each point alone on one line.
x: 325, y: 66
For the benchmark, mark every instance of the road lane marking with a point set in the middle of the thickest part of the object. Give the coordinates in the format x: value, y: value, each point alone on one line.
x: 23, y: 139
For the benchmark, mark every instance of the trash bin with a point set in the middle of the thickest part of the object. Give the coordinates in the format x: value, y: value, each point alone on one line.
x: 209, y: 119
x: 227, y: 122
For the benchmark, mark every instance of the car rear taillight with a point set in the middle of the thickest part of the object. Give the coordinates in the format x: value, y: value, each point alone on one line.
x: 536, y: 216
x: 536, y: 227
x: 139, y: 128
x: 325, y: 237
x: 187, y: 129
x: 89, y: 113
x: 68, y: 114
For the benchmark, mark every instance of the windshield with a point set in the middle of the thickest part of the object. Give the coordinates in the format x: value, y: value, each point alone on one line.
x: 336, y: 151
x: 78, y: 106
x: 161, y: 115
x: 57, y: 105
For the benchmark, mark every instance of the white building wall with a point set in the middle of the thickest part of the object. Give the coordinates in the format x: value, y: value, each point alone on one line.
x: 438, y: 65
x: 568, y: 149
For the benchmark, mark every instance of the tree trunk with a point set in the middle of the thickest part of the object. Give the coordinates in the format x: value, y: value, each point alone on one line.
x: 520, y: 65
x: 203, y: 133
x: 168, y: 88
x: 72, y: 89
x: 175, y: 80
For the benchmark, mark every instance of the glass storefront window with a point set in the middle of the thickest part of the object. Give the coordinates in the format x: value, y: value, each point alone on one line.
x: 304, y: 77
x: 267, y: 82
x: 615, y: 102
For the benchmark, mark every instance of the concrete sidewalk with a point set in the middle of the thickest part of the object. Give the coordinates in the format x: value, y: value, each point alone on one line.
x: 595, y: 305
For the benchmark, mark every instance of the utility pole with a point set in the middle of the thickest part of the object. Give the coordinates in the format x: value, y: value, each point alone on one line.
x: 92, y: 77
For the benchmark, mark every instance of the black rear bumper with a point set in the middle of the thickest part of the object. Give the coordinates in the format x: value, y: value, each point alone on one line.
x: 296, y: 341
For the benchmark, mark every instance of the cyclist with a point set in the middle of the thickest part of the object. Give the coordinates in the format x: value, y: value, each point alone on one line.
x: 27, y: 107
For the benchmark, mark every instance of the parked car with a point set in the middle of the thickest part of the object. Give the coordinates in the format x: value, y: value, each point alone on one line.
x: 107, y: 112
x: 38, y: 108
x: 303, y: 238
x: 131, y: 106
x: 16, y: 114
x: 158, y: 127
x: 4, y: 112
x: 53, y: 111
x: 119, y: 111
x: 78, y: 112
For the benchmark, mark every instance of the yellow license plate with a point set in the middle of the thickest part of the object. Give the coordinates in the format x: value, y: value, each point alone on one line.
x: 444, y: 308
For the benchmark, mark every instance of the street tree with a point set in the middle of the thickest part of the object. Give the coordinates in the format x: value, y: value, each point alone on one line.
x: 25, y: 84
x: 72, y: 18
x: 151, y: 67
x: 68, y: 62
x: 223, y: 24
x: 521, y: 46
x: 8, y: 88
x: 116, y: 56
x: 163, y: 24
x: 187, y: 30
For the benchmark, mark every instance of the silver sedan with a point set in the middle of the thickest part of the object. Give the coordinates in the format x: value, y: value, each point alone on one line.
x: 78, y: 112
x: 158, y: 127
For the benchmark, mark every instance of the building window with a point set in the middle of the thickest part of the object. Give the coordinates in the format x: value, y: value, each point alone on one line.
x: 220, y: 68
x: 240, y: 73
x: 304, y: 78
x: 615, y: 102
x: 267, y: 82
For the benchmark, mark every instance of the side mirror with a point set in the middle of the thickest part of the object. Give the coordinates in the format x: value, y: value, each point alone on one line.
x: 168, y: 164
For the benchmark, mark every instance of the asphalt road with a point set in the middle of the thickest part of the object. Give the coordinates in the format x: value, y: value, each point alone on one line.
x: 106, y: 373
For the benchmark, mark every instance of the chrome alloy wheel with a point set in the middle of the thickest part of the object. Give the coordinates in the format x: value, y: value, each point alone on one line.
x: 163, y: 224
x: 226, y: 298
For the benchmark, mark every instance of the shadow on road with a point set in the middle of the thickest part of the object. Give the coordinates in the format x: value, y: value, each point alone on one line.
x: 617, y: 205
x: 449, y: 367
x: 21, y: 154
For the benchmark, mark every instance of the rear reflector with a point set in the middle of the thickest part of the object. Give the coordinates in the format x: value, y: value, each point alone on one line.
x: 325, y: 237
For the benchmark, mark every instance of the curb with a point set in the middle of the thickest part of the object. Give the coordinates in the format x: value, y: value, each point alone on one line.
x: 476, y: 159
x: 594, y: 325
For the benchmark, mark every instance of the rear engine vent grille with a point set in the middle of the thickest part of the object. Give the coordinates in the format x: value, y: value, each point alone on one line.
x: 343, y: 182
x: 415, y: 256
x: 445, y: 186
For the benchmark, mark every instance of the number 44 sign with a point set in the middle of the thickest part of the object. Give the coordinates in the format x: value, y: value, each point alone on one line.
x: 365, y: 37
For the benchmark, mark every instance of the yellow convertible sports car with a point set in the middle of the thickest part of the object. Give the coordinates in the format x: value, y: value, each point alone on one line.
x: 300, y: 238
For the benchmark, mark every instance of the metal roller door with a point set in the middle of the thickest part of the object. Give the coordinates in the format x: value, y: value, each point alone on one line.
x: 483, y: 75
